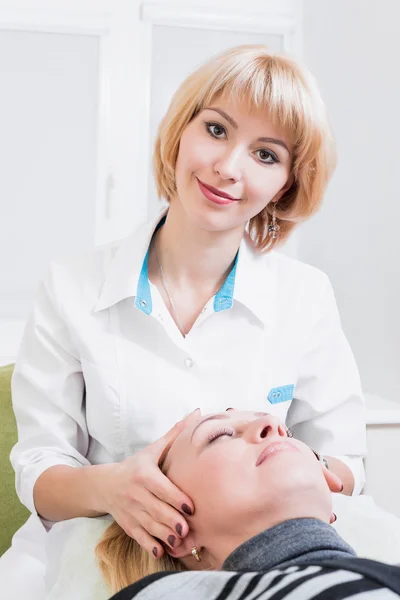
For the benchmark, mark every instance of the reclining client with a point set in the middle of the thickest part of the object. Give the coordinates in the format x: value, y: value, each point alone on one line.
x: 261, y: 527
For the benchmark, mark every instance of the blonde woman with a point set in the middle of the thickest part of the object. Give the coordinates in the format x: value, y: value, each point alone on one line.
x: 195, y: 309
x: 261, y: 528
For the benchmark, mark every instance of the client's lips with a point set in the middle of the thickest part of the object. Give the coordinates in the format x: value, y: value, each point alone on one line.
x: 217, y: 191
x: 273, y: 448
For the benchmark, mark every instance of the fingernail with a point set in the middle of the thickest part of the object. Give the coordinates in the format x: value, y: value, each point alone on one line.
x: 228, y: 409
x: 155, y: 551
x: 186, y: 509
x: 342, y: 488
x: 335, y: 519
x: 178, y: 528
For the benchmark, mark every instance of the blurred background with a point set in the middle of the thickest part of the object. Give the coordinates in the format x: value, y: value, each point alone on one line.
x: 83, y: 86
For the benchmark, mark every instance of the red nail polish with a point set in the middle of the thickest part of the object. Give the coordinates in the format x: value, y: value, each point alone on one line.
x: 171, y: 540
x: 178, y: 528
x: 155, y: 552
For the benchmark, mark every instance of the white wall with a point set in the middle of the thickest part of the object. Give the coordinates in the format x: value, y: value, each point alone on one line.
x: 353, y: 48
x: 48, y: 91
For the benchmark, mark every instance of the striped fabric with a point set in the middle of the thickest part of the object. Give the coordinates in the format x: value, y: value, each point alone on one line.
x: 306, y: 582
x: 298, y: 559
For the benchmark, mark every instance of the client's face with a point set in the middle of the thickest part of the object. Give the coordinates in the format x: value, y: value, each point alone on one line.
x: 244, y: 474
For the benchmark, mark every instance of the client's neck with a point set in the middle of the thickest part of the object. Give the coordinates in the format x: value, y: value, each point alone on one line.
x: 291, y: 542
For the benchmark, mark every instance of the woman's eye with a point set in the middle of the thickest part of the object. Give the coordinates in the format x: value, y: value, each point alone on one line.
x: 220, y: 433
x: 267, y: 157
x: 216, y: 130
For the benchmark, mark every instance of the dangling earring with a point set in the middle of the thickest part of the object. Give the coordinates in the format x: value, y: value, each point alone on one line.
x: 196, y: 554
x: 274, y: 228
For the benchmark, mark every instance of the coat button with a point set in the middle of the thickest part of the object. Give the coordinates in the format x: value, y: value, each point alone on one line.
x: 188, y: 362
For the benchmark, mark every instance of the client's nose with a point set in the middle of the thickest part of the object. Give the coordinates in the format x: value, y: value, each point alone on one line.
x: 267, y: 426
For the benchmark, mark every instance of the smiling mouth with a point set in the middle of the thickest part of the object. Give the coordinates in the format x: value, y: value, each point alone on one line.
x: 275, y: 448
x: 217, y: 192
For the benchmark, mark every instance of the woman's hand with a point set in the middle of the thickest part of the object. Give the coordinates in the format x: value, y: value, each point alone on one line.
x: 144, y: 502
x: 343, y: 472
x: 334, y: 483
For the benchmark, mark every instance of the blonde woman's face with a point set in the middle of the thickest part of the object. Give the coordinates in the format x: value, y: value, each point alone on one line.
x: 244, y: 474
x: 237, y: 152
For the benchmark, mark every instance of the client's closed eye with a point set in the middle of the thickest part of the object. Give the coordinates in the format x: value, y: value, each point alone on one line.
x: 219, y: 433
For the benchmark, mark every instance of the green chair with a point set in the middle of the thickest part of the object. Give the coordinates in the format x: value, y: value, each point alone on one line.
x: 12, y: 513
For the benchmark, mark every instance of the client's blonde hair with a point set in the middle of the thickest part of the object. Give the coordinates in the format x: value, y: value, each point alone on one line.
x: 123, y: 561
x: 262, y: 80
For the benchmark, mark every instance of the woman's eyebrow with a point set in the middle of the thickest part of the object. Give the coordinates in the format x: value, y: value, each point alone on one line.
x: 211, y: 418
x: 267, y: 140
x: 223, y: 114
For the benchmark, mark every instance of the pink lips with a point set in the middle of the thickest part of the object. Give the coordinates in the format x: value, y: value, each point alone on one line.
x: 274, y: 448
x: 215, y: 195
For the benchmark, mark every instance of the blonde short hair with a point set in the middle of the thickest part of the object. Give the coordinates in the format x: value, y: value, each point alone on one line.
x: 122, y: 561
x: 261, y: 79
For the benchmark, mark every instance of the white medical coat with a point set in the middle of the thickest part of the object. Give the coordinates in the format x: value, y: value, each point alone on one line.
x: 103, y: 370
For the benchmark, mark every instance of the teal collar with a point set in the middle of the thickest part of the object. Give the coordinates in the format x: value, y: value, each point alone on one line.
x: 223, y: 299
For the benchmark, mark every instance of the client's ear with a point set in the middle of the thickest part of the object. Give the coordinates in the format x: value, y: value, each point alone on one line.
x: 184, y: 550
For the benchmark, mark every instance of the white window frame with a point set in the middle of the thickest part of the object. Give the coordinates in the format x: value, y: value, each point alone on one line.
x: 99, y: 25
x: 46, y: 21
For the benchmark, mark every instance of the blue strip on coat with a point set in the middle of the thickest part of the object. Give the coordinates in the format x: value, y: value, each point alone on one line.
x: 281, y: 394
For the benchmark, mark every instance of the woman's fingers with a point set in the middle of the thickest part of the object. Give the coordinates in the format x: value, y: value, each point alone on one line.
x: 158, y: 484
x: 158, y: 448
x: 160, y: 531
x: 147, y: 505
x: 334, y: 482
x: 165, y: 490
x: 165, y: 514
x: 146, y: 541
